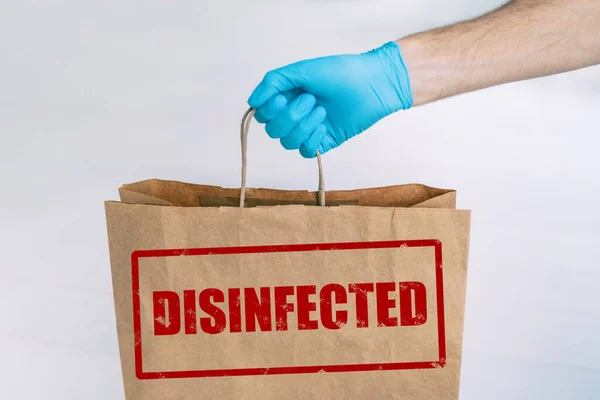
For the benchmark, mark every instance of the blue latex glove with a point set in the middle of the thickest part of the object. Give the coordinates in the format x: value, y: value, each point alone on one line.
x: 320, y: 103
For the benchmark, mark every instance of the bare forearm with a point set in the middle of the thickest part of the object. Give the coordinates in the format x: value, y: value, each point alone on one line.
x: 522, y: 40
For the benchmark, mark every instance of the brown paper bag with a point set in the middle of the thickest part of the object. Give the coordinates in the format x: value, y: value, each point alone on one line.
x: 283, y: 299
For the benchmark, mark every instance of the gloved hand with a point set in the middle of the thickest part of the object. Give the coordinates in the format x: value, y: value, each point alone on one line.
x: 320, y: 103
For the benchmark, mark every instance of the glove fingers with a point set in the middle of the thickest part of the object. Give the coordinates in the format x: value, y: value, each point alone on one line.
x: 275, y: 105
x: 309, y: 147
x: 304, y: 129
x: 277, y: 81
x: 287, y: 119
x: 269, y: 110
x: 327, y: 144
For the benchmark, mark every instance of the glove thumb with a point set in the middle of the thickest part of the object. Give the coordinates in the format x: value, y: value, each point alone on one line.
x: 276, y: 82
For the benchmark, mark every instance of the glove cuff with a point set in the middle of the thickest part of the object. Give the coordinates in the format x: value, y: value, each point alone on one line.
x: 397, y: 73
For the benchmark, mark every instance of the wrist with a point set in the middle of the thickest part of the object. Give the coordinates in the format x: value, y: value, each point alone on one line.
x: 425, y: 78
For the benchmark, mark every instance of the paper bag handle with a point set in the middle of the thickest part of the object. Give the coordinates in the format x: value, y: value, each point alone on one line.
x: 246, y: 119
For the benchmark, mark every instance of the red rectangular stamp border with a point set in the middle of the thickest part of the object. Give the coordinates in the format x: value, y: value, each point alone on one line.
x: 308, y: 369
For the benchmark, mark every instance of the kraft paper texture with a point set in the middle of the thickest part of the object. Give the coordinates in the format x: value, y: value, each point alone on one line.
x: 284, y: 299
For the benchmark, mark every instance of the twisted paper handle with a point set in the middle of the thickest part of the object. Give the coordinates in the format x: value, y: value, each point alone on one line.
x: 246, y: 119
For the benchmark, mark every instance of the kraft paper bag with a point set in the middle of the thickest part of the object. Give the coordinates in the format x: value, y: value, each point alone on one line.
x: 272, y: 294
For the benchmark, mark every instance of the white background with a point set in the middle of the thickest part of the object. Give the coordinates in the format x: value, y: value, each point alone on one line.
x: 96, y: 94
